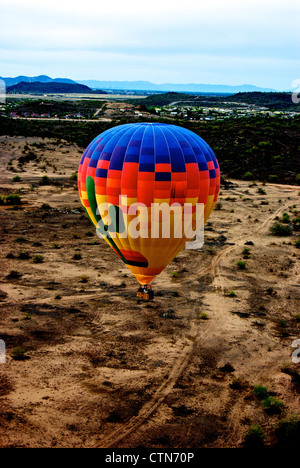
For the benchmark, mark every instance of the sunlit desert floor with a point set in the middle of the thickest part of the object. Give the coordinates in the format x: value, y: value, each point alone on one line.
x: 104, y: 369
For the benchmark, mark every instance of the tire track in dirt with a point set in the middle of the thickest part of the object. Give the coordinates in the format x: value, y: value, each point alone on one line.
x: 236, y: 409
x: 213, y: 269
x: 175, y: 373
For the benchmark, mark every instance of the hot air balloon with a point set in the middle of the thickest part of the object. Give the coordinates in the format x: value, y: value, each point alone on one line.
x: 127, y: 170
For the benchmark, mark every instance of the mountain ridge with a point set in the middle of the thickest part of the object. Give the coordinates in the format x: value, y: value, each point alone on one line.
x: 141, y: 85
x: 34, y: 79
x: 165, y: 87
x: 51, y: 87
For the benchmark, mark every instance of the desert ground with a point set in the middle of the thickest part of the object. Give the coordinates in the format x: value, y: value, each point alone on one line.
x: 90, y: 365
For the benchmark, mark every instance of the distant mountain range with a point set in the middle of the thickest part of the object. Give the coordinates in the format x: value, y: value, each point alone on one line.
x: 138, y: 85
x: 34, y: 79
x: 192, y: 88
x: 47, y: 86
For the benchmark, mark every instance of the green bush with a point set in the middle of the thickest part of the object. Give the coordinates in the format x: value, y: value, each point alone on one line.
x: 280, y: 230
x: 265, y: 144
x: 254, y: 438
x: 241, y: 265
x: 288, y: 432
x: 17, y: 179
x: 296, y: 223
x: 13, y: 199
x: 273, y: 178
x: 271, y: 405
x: 203, y: 316
x: 260, y: 392
x: 18, y: 354
x: 44, y: 180
x: 175, y: 274
x: 285, y: 218
x: 248, y: 176
x: 38, y: 259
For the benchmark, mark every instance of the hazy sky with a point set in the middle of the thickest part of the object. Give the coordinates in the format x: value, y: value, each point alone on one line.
x: 216, y: 42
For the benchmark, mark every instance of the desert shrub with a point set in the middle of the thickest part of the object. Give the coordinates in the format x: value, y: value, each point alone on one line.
x: 17, y: 179
x: 18, y: 354
x: 265, y: 144
x: 182, y: 411
x: 203, y: 316
x: 260, y: 392
x: 21, y: 240
x: 248, y: 176
x: 237, y: 384
x: 273, y: 178
x: 84, y: 279
x: 13, y: 199
x: 296, y: 223
x: 282, y: 323
x: 174, y: 293
x: 288, y: 432
x: 285, y: 218
x: 241, y: 265
x: 232, y: 294
x: 271, y: 405
x: 246, y: 251
x: 211, y: 250
x: 227, y: 368
x: 44, y: 180
x: 45, y: 207
x: 261, y: 191
x: 297, y: 243
x: 73, y: 176
x: 174, y: 274
x: 28, y: 155
x: 38, y: 259
x: 14, y: 275
x: 254, y: 438
x: 77, y: 256
x: 24, y: 256
x: 281, y: 230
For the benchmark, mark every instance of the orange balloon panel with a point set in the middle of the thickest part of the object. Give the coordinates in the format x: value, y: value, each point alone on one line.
x: 126, y: 170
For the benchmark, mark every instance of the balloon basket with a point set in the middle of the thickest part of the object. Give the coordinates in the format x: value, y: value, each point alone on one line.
x: 145, y: 293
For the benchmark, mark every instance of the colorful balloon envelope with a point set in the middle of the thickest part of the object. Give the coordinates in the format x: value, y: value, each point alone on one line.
x: 129, y: 172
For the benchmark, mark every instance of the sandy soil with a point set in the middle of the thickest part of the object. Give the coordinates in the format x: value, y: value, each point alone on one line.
x: 106, y: 370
